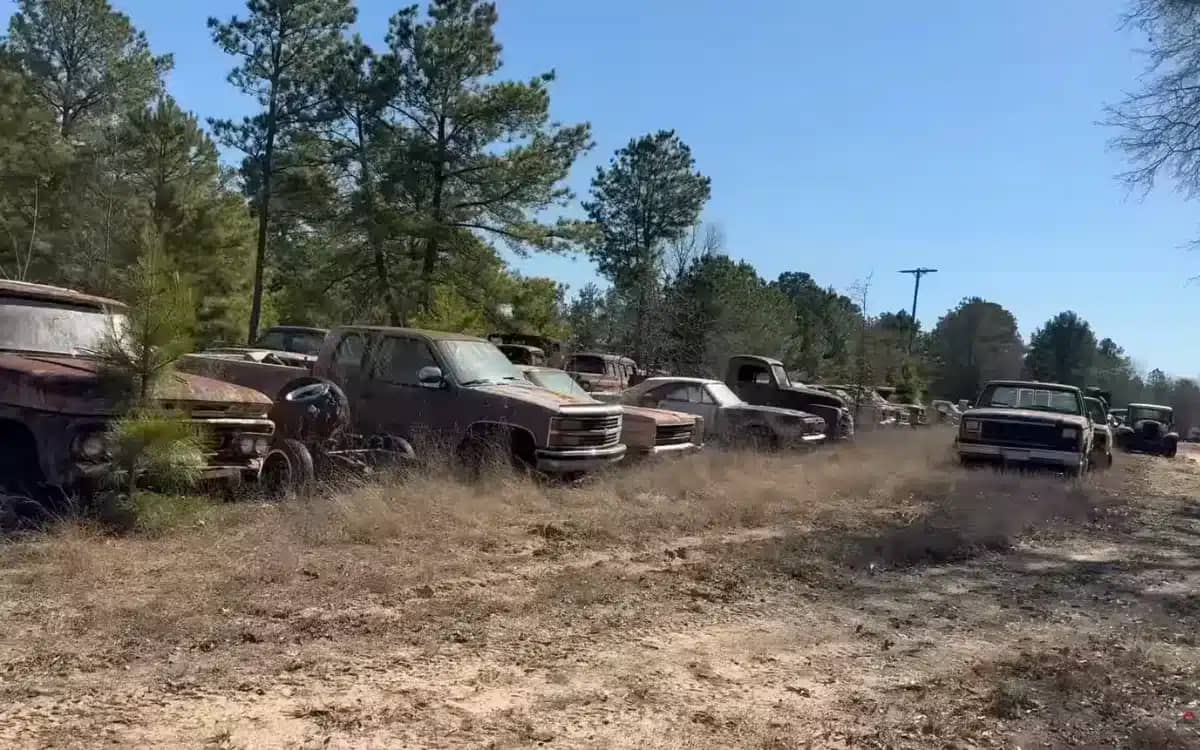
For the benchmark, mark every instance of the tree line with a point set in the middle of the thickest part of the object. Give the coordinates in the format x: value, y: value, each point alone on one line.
x: 380, y: 184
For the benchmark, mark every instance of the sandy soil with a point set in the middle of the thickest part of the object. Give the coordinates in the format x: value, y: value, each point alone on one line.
x: 939, y: 609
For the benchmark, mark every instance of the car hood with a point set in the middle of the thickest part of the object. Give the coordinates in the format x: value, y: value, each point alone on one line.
x: 1026, y: 415
x: 817, y: 397
x: 774, y: 411
x: 76, y: 385
x: 660, y: 417
x: 547, y: 399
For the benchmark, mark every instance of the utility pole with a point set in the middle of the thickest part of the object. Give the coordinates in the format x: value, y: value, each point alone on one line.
x: 917, y: 273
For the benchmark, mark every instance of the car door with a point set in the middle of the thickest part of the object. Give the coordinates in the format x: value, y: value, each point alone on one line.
x: 346, y: 370
x: 393, y: 398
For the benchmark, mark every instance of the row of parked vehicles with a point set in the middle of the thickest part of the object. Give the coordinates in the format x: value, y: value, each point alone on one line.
x: 303, y: 401
x: 1030, y: 423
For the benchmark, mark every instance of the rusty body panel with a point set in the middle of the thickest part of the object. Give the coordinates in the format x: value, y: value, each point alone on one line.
x: 243, y: 369
x: 644, y: 430
x: 52, y: 402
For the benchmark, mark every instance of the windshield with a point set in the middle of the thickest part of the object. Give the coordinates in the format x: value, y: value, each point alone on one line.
x: 589, y: 364
x: 1030, y: 397
x: 781, y: 375
x: 54, y: 328
x: 559, y: 382
x: 723, y: 395
x: 297, y: 342
x: 1138, y: 413
x: 1096, y: 410
x: 478, y: 362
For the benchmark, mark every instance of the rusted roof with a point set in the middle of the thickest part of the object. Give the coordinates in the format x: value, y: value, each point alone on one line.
x: 419, y: 332
x: 27, y: 290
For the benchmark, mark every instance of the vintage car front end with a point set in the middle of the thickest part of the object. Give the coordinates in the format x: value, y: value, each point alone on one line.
x: 1059, y: 441
x: 581, y: 439
x: 656, y: 432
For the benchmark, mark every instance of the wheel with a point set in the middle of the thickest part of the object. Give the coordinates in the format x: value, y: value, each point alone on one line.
x: 311, y: 409
x: 483, y: 450
x: 1170, y: 449
x: 21, y: 512
x: 287, y: 468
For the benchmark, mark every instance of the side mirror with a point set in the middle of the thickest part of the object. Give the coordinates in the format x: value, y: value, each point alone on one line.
x: 431, y: 377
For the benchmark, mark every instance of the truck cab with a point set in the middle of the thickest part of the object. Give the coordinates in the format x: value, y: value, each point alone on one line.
x: 764, y: 381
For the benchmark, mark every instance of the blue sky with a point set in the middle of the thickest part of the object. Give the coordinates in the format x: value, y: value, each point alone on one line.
x: 845, y: 139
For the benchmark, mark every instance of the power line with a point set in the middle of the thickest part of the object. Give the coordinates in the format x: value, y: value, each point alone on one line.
x: 917, y: 273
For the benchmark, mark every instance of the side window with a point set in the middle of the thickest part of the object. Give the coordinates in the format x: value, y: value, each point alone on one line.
x: 684, y: 394
x: 347, y: 358
x: 399, y: 360
x: 706, y: 397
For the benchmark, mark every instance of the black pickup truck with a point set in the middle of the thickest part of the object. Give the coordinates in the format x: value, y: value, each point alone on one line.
x: 764, y: 381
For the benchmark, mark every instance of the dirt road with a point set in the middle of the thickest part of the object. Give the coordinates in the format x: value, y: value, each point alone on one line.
x: 737, y: 602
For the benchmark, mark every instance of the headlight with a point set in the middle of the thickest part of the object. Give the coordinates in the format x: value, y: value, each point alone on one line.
x: 1069, y: 433
x: 970, y: 425
x: 245, y: 445
x: 91, y: 447
x: 261, y: 445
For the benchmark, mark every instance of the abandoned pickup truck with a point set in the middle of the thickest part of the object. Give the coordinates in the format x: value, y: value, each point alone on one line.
x: 645, y: 432
x: 1027, y: 423
x: 435, y: 389
x: 54, y: 410
x: 1149, y: 428
x: 727, y: 418
x: 764, y: 381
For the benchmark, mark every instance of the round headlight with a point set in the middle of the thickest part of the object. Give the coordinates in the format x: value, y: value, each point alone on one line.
x: 92, y: 447
x: 261, y: 445
x: 246, y: 445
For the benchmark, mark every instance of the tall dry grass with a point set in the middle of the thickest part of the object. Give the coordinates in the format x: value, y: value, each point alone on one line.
x: 353, y: 553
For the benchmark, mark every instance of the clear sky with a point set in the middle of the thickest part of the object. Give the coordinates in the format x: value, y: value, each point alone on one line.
x: 851, y: 138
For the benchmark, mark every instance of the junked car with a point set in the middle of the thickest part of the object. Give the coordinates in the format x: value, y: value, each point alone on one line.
x: 727, y: 418
x: 1027, y: 423
x: 645, y: 432
x: 296, y: 346
x: 432, y: 389
x: 1149, y: 428
x: 1102, y: 432
x: 601, y: 373
x: 764, y: 382
x: 55, y: 407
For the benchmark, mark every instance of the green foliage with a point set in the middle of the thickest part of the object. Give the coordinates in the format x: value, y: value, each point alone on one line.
x: 648, y: 196
x: 826, y: 323
x: 285, y: 48
x: 1062, y: 350
x: 31, y: 155
x: 87, y: 61
x: 163, y: 451
x: 973, y: 343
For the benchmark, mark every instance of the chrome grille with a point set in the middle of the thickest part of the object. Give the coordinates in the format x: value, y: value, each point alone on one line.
x: 1027, y: 434
x: 568, y: 431
x: 673, y: 434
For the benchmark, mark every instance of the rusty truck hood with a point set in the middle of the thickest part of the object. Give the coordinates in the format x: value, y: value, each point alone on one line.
x: 660, y: 417
x: 74, y: 385
x: 533, y: 394
x: 1026, y: 415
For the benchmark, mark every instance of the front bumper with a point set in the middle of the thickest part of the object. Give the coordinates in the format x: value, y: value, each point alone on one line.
x: 558, y: 461
x: 1041, y: 456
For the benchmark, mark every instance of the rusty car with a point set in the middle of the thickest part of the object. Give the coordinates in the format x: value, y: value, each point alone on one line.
x: 727, y: 418
x: 764, y: 381
x: 1149, y: 428
x: 644, y: 431
x: 431, y: 389
x: 55, y: 408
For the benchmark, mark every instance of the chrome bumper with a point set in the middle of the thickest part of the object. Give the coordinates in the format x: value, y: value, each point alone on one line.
x: 1019, y: 455
x: 552, y: 461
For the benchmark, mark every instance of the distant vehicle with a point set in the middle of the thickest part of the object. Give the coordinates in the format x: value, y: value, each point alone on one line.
x: 1149, y: 428
x: 764, y: 381
x: 946, y: 412
x: 1193, y: 435
x: 522, y: 354
x: 1118, y: 416
x: 1027, y: 423
x: 727, y: 418
x: 1102, y: 432
x: 602, y: 373
x: 296, y: 346
x: 551, y: 348
x: 647, y: 432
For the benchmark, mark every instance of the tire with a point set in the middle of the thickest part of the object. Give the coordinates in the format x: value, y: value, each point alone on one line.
x: 21, y: 512
x: 1171, y: 449
x: 287, y: 469
x: 311, y: 409
x: 484, y: 450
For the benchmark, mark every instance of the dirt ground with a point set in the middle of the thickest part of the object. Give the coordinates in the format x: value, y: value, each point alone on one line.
x: 874, y: 597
